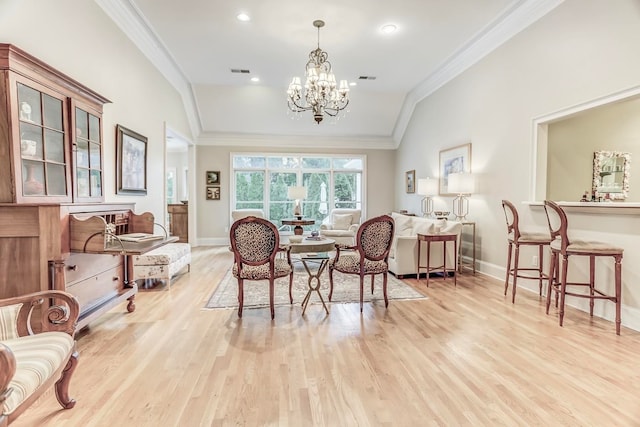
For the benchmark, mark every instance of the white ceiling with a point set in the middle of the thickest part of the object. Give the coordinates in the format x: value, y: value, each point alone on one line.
x: 197, y: 42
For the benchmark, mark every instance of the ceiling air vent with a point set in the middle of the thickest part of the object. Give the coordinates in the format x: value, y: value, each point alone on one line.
x: 366, y: 78
x: 240, y: 71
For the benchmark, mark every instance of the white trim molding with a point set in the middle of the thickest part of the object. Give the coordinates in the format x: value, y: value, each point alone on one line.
x: 515, y: 18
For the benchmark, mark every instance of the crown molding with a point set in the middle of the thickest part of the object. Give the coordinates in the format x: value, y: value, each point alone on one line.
x: 515, y: 18
x: 511, y: 21
x: 133, y: 24
x: 295, y: 141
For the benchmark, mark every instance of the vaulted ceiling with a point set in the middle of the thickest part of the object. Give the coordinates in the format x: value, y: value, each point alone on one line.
x: 196, y: 44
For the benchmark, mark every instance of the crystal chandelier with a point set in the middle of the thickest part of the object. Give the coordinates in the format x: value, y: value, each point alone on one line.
x: 321, y: 94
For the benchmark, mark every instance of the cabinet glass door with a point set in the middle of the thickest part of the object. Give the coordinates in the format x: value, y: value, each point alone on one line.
x: 42, y: 144
x: 88, y: 156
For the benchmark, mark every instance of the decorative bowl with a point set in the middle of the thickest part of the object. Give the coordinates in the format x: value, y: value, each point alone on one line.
x: 441, y: 214
x: 295, y: 239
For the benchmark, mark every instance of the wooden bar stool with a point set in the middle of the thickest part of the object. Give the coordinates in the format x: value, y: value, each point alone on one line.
x: 516, y: 238
x: 561, y: 246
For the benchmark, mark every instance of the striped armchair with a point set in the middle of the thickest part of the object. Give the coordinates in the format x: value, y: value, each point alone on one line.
x: 32, y: 362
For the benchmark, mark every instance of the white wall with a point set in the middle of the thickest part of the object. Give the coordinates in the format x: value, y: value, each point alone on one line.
x: 582, y: 50
x: 78, y: 39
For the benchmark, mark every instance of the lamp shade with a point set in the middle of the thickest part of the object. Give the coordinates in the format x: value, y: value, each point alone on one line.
x: 461, y: 183
x: 297, y: 193
x: 427, y: 187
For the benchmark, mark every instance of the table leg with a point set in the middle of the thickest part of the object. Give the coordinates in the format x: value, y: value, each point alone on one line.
x: 314, y: 276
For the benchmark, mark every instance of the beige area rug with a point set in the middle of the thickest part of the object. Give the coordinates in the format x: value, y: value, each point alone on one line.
x: 346, y: 289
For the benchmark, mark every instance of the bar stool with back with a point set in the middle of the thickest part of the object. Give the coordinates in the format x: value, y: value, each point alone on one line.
x: 516, y: 238
x: 562, y: 246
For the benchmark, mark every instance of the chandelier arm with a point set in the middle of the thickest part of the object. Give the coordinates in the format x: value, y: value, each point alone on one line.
x: 300, y: 108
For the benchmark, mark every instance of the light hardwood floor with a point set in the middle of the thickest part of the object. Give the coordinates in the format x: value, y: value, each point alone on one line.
x: 464, y: 356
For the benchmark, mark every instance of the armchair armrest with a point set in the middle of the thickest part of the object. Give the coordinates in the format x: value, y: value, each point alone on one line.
x: 354, y: 227
x: 60, y: 314
x: 340, y: 247
x: 286, y: 249
x: 7, y: 371
x: 326, y: 227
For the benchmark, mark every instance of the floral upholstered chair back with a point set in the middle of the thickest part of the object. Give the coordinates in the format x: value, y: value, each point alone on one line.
x: 254, y: 241
x: 374, y: 238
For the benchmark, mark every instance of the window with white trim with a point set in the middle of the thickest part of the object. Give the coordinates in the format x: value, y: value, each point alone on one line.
x: 261, y: 181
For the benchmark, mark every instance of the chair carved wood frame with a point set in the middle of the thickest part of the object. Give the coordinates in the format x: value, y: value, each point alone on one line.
x: 255, y: 244
x: 373, y: 243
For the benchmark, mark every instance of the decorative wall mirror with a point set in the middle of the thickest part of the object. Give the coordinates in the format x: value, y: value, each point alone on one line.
x: 611, y: 174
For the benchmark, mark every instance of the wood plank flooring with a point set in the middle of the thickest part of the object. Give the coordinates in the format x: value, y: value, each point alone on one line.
x: 464, y: 357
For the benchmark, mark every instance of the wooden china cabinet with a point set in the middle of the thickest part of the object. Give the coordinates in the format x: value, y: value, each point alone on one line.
x: 50, y: 133
x: 51, y: 168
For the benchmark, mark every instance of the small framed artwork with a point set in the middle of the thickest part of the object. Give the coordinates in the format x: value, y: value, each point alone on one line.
x: 213, y: 193
x: 213, y: 177
x: 453, y: 160
x: 410, y: 181
x: 131, y: 162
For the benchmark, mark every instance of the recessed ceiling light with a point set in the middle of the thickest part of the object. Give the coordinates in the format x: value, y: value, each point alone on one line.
x: 255, y: 79
x: 353, y: 84
x: 389, y: 28
x: 243, y: 17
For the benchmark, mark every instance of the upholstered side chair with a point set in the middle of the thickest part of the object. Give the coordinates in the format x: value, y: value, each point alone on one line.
x: 341, y: 225
x: 368, y: 257
x: 255, y: 244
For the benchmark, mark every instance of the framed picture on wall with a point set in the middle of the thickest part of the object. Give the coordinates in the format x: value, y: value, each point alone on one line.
x: 410, y: 180
x: 213, y: 177
x: 453, y: 160
x: 131, y: 162
x: 213, y: 193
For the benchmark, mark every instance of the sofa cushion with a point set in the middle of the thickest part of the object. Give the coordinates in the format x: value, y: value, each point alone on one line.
x: 423, y: 226
x: 341, y: 221
x: 37, y: 358
x: 8, y: 321
x: 403, y: 224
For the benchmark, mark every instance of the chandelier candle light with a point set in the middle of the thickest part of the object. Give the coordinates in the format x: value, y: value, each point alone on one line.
x: 427, y: 187
x: 321, y: 94
x: 463, y: 184
x: 297, y: 193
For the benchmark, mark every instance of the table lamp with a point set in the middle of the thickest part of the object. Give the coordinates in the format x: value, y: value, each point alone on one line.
x: 297, y: 193
x: 427, y: 187
x: 463, y: 184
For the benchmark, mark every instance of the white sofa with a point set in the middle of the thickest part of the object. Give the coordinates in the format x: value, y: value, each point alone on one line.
x: 341, y: 226
x: 403, y: 257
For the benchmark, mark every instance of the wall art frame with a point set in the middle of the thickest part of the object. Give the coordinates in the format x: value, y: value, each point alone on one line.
x: 131, y: 162
x: 410, y: 181
x: 213, y: 192
x: 213, y: 177
x: 453, y: 160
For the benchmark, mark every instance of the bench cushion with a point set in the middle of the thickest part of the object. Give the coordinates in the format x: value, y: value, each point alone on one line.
x: 37, y: 358
x: 164, y: 255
